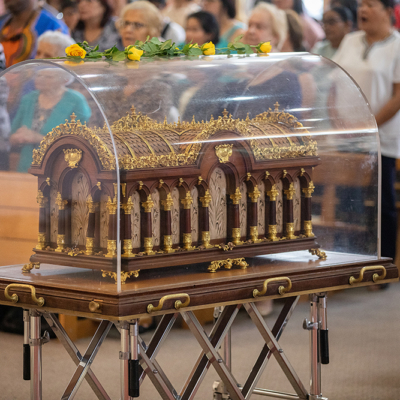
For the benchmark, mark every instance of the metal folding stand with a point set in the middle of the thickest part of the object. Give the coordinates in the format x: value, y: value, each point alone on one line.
x: 138, y: 360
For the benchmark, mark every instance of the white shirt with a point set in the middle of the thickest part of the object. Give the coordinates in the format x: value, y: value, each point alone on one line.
x: 375, y: 68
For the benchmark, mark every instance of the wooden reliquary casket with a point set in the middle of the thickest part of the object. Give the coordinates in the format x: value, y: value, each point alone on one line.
x: 190, y: 192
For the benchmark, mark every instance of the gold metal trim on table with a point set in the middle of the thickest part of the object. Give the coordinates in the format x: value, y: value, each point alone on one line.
x: 14, y: 298
x: 282, y: 290
x: 178, y: 304
x: 375, y: 277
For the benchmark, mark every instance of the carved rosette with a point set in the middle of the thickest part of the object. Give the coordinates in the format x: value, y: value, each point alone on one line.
x: 72, y: 157
x: 224, y: 152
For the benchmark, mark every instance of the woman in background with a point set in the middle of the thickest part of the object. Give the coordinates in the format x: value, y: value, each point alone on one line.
x: 225, y: 13
x: 96, y: 25
x: 337, y: 23
x: 137, y: 21
x: 43, y: 109
x: 53, y: 44
x: 313, y: 32
x: 294, y: 40
x: 202, y: 27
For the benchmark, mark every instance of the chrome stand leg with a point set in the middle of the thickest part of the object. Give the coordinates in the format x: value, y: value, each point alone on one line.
x: 314, y: 326
x: 36, y: 355
x: 134, y: 367
x: 124, y: 356
x: 27, y: 350
x: 75, y: 355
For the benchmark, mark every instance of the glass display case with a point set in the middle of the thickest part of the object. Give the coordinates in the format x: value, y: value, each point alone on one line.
x: 167, y: 163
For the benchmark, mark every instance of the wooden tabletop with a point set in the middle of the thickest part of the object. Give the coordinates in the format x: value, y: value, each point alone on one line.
x: 70, y: 290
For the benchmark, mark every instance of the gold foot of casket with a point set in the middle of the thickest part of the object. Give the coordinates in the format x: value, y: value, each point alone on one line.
x: 319, y: 253
x: 228, y: 263
x: 28, y: 267
x: 124, y: 275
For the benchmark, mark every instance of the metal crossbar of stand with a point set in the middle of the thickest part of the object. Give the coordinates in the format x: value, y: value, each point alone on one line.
x: 138, y: 360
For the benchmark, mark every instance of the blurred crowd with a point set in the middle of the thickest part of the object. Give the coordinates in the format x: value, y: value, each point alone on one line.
x: 43, y: 29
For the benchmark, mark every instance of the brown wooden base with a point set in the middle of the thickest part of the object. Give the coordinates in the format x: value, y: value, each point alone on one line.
x: 173, y: 259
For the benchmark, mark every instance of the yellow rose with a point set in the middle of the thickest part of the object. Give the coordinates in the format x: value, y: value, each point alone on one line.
x: 75, y: 51
x: 208, y: 49
x: 195, y: 45
x: 265, y: 47
x: 134, y: 54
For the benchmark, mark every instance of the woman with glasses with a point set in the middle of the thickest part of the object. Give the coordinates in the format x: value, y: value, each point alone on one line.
x: 225, y: 13
x: 139, y: 20
x: 337, y: 23
x: 96, y: 24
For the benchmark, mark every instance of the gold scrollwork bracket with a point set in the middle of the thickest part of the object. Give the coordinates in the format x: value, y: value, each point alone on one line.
x: 282, y: 289
x: 124, y: 275
x: 178, y: 304
x: 319, y: 253
x: 14, y: 297
x: 228, y: 263
x: 375, y: 277
x: 29, y: 267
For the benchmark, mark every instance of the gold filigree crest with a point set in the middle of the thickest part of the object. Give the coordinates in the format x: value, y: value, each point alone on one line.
x: 202, y: 133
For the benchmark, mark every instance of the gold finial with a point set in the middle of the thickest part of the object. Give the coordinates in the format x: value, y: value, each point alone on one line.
x: 112, y: 205
x: 167, y: 203
x: 302, y: 172
x: 115, y: 189
x: 179, y: 122
x: 73, y: 117
x: 187, y: 201
x: 98, y: 184
x: 90, y: 204
x: 193, y: 121
x: 48, y: 181
x: 273, y: 193
x: 248, y: 177
x: 41, y: 199
x: 140, y: 185
x: 255, y: 195
x: 200, y: 180
x: 133, y: 111
x: 267, y: 174
x: 310, y: 190
x: 212, y: 118
x: 290, y: 192
x: 206, y: 200
x: 60, y: 202
x: 284, y: 173
x: 181, y: 181
x: 248, y: 118
x: 236, y: 197
x: 123, y: 187
x: 225, y: 113
x: 149, y: 204
x: 276, y: 106
x: 160, y: 183
x: 165, y: 121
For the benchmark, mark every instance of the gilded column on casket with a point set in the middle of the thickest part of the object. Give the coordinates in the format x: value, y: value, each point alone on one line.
x: 167, y: 204
x: 147, y: 231
x: 187, y: 223
x: 289, y: 225
x: 91, y: 225
x: 61, y: 222
x: 42, y: 201
x: 253, y: 215
x: 128, y: 246
x: 205, y: 220
x: 112, y: 227
x: 306, y: 205
x: 272, y: 227
x: 236, y: 217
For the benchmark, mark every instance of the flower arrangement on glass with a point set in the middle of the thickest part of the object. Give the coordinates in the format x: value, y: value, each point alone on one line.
x: 155, y: 48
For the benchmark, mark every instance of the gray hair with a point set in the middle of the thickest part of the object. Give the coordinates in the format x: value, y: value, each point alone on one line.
x: 279, y: 21
x: 65, y: 77
x: 152, y: 15
x: 58, y: 39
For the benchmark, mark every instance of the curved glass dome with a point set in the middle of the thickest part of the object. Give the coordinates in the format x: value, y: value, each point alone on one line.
x: 166, y: 162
